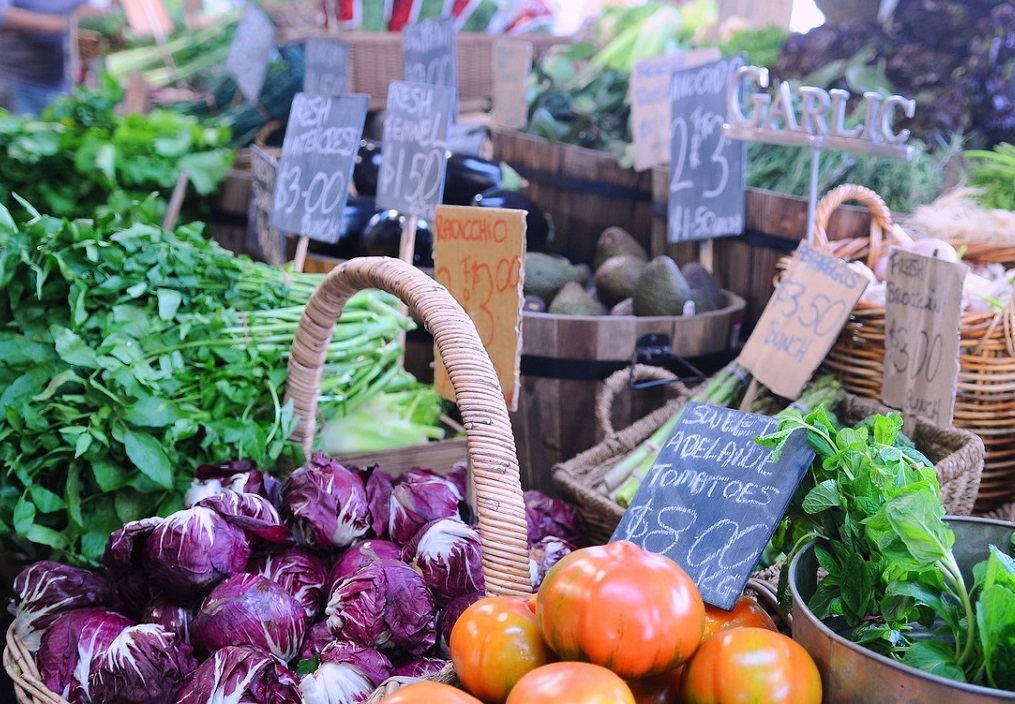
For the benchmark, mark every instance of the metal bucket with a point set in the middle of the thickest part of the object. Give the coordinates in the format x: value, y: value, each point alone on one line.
x: 851, y: 674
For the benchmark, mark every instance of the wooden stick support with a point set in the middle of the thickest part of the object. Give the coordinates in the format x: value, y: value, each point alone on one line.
x: 706, y: 255
x: 752, y: 391
x: 176, y: 201
x: 300, y: 258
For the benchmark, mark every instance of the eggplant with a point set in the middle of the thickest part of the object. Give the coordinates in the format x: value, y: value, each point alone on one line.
x: 468, y: 176
x: 367, y: 168
x: 382, y: 237
x: 537, y: 226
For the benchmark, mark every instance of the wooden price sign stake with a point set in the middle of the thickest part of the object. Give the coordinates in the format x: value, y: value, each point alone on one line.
x: 327, y: 66
x: 478, y: 254
x: 801, y: 321
x: 414, y: 142
x: 250, y: 51
x: 820, y: 124
x: 707, y: 176
x: 318, y: 153
x: 714, y: 497
x: 923, y: 307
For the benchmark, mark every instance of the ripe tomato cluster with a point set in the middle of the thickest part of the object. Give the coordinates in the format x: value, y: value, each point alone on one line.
x: 615, y: 624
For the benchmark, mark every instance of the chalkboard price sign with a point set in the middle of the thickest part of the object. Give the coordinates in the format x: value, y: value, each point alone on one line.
x: 318, y: 153
x: 250, y: 51
x: 714, y: 497
x: 415, y: 148
x: 326, y: 66
x: 429, y: 52
x: 707, y: 176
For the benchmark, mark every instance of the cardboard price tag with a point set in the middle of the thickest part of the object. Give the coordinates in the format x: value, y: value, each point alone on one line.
x: 802, y: 319
x: 250, y: 51
x: 923, y: 302
x: 707, y: 176
x: 318, y: 154
x: 478, y: 255
x: 714, y: 497
x: 650, y: 103
x: 512, y: 61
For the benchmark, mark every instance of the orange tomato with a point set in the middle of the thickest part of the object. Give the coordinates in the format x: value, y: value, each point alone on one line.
x: 751, y: 664
x: 571, y: 682
x: 746, y: 612
x: 493, y: 643
x: 622, y: 607
x: 424, y: 692
x: 658, y: 689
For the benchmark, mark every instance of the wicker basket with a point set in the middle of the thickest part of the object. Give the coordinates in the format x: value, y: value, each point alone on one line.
x: 490, y: 443
x: 957, y: 454
x: 985, y: 387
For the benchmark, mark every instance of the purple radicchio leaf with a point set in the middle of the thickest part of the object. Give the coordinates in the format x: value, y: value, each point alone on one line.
x: 71, y: 646
x: 548, y: 515
x: 247, y: 609
x: 420, y: 667
x: 300, y: 572
x: 123, y: 559
x: 347, y: 673
x: 447, y: 553
x: 447, y: 617
x: 252, y: 513
x: 46, y: 589
x: 384, y: 605
x: 418, y: 497
x: 240, y: 674
x: 145, y: 664
x: 325, y: 504
x: 318, y: 636
x: 543, y: 555
x: 359, y: 554
x: 174, y: 618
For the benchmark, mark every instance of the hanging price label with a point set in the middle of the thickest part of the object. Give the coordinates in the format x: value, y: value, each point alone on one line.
x: 802, y: 320
x: 429, y: 52
x: 923, y: 300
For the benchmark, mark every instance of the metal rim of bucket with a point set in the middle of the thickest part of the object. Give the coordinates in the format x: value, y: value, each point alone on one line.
x: 799, y: 606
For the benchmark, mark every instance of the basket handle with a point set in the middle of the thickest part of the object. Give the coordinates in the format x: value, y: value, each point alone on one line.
x: 881, y: 217
x: 489, y: 440
x: 618, y: 381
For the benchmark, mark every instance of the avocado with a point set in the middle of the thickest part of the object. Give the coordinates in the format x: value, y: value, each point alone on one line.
x: 616, y: 276
x: 700, y: 279
x: 546, y: 273
x: 573, y: 299
x: 625, y: 307
x: 702, y: 303
x: 616, y: 240
x: 661, y: 289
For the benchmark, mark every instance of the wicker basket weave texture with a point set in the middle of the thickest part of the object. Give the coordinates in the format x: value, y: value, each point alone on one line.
x: 985, y: 387
x: 490, y: 443
x: 957, y: 454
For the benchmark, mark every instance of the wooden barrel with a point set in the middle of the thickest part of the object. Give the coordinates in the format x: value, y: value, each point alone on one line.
x: 566, y: 358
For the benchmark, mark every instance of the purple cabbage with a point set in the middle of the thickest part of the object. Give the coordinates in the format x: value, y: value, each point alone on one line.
x: 325, y: 504
x: 548, y: 515
x: 47, y: 589
x: 448, y: 555
x: 172, y: 617
x: 300, y: 572
x: 402, y: 506
x: 360, y: 554
x: 145, y: 664
x: 237, y: 475
x: 243, y: 675
x: 447, y: 617
x: 384, y: 605
x: 543, y: 555
x: 421, y: 667
x: 192, y: 550
x: 71, y: 646
x: 247, y: 609
x: 318, y: 636
x: 251, y: 512
x: 347, y: 673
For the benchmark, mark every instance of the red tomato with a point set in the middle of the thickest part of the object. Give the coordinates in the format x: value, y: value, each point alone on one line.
x: 751, y: 665
x: 493, y: 643
x: 571, y: 682
x: 424, y: 692
x: 622, y: 607
x: 746, y: 612
x: 658, y: 689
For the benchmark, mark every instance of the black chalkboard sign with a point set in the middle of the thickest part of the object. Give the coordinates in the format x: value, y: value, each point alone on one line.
x: 250, y: 51
x: 707, y: 175
x: 414, y: 145
x: 429, y: 52
x: 714, y: 497
x: 326, y: 70
x: 318, y: 152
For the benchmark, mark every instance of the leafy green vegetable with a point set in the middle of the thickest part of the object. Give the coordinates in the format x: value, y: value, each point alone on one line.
x: 129, y: 355
x: 992, y: 171
x: 874, y: 505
